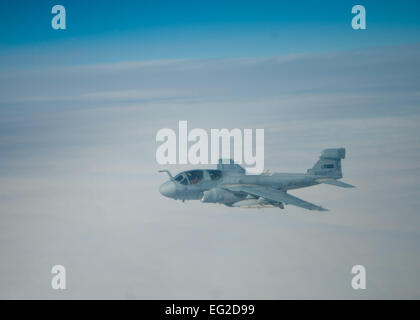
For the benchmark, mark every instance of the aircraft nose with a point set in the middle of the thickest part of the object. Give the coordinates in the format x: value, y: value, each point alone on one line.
x: 168, y: 189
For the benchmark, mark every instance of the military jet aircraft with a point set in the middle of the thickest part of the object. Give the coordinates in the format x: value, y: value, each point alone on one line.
x: 231, y: 186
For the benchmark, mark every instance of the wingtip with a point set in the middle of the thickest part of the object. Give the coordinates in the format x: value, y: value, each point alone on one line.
x: 349, y: 185
x: 322, y: 209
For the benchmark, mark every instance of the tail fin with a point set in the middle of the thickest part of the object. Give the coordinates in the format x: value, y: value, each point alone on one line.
x: 329, y: 163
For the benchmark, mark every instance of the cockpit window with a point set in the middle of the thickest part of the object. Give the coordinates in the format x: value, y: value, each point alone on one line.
x: 215, y: 174
x: 181, y: 179
x: 194, y: 176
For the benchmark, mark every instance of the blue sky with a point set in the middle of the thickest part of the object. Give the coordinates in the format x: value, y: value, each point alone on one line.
x: 114, y: 31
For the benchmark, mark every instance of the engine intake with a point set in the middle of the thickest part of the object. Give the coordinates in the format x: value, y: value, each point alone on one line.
x: 216, y: 195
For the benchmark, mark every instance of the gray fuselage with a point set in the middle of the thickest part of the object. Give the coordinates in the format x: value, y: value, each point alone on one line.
x: 194, y: 191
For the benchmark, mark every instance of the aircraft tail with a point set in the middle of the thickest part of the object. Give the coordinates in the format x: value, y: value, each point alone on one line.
x: 329, y: 163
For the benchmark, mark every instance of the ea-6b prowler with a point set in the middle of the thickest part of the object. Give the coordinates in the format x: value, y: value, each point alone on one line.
x: 231, y: 186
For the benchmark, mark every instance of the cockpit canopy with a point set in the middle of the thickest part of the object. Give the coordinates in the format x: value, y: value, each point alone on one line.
x: 196, y: 176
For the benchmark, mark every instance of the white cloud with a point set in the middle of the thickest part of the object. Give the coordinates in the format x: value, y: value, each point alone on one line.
x: 79, y: 179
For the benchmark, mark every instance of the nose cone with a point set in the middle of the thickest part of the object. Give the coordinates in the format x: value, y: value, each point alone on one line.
x: 168, y: 189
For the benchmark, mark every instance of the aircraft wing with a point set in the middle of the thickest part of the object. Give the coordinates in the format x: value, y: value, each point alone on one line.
x: 273, y: 195
x: 335, y: 183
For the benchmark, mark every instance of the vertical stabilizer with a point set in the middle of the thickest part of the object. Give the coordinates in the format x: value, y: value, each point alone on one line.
x: 329, y: 163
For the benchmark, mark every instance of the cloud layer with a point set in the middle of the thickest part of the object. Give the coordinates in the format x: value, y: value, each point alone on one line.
x: 79, y: 178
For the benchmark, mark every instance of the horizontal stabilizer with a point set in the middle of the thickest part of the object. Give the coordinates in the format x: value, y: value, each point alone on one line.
x: 336, y: 183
